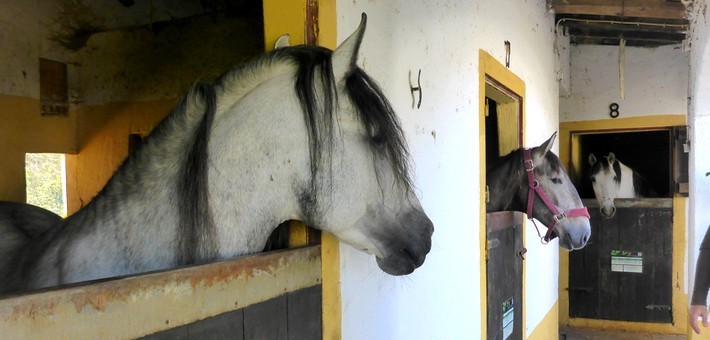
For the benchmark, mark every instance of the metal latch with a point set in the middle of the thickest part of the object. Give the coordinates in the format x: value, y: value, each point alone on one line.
x: 521, y: 253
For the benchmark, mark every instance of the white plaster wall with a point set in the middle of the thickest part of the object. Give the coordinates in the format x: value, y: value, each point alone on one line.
x: 699, y: 121
x: 655, y: 82
x: 441, y: 300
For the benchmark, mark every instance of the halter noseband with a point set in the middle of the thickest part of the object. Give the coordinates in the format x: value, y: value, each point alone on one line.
x: 534, y: 186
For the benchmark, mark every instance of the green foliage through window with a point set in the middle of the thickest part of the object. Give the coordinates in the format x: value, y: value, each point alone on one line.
x: 44, y: 174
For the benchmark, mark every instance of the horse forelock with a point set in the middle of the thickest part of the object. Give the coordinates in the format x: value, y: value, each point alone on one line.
x: 604, y: 165
x: 553, y: 162
x: 617, y: 171
x: 380, y: 121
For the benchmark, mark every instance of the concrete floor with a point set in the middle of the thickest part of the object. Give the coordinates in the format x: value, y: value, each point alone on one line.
x: 591, y: 334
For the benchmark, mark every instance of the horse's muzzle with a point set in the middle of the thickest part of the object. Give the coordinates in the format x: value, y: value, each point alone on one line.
x: 409, y: 253
x: 574, y: 233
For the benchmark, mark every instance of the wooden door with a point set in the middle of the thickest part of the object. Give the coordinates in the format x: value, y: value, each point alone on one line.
x: 625, y: 271
x: 504, y: 274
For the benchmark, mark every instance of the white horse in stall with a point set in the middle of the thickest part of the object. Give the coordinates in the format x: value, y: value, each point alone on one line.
x: 301, y: 133
x: 612, y: 179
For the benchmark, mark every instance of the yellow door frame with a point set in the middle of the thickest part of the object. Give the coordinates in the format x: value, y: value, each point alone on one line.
x: 679, y: 296
x: 490, y: 68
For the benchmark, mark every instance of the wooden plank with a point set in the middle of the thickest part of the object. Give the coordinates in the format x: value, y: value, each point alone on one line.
x: 298, y: 314
x: 655, y: 9
x: 591, y: 203
x: 267, y: 320
x: 305, y: 314
x: 135, y: 306
x: 227, y: 326
x: 640, y: 297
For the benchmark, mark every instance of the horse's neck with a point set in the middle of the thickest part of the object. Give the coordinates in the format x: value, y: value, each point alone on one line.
x: 506, y: 180
x: 626, y: 186
x: 258, y: 163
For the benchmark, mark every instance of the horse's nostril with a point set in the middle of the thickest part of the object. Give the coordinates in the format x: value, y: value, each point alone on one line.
x: 585, y: 238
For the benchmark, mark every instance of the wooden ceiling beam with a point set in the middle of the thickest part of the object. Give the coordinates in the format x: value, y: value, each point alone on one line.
x: 655, y: 9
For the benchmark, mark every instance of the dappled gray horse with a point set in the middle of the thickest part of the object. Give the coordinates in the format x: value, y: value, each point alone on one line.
x: 301, y: 133
x: 534, y: 181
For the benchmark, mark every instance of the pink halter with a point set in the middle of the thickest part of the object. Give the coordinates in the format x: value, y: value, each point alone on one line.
x: 534, y: 186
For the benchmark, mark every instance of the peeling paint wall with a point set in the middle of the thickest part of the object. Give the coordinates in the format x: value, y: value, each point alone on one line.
x: 655, y: 82
x: 128, y: 77
x: 23, y: 129
x: 442, y: 299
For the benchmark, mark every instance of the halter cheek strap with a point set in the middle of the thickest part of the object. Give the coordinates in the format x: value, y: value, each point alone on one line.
x: 534, y: 187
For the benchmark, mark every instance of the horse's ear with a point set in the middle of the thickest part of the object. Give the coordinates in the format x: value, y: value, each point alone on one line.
x: 592, y: 159
x: 611, y: 158
x: 540, y: 151
x: 282, y: 41
x: 345, y: 55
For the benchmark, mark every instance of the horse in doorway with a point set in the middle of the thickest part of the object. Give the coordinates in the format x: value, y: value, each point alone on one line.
x: 534, y: 181
x: 301, y: 133
x: 612, y: 179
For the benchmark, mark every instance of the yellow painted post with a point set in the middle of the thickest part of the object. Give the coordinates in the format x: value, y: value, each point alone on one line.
x: 290, y: 16
x: 489, y: 66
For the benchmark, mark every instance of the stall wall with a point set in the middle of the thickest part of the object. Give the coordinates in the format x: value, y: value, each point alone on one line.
x: 655, y: 82
x: 444, y: 299
x: 23, y: 129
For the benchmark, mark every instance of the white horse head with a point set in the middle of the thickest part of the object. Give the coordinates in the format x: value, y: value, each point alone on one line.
x: 611, y: 179
x: 354, y: 182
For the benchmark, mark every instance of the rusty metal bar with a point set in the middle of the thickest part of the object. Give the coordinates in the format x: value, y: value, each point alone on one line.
x: 139, y: 305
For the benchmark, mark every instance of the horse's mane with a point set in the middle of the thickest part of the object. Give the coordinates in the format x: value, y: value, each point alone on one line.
x: 314, y: 70
x: 603, y: 164
x: 552, y: 160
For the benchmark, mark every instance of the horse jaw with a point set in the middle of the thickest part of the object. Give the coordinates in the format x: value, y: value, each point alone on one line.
x: 385, y: 234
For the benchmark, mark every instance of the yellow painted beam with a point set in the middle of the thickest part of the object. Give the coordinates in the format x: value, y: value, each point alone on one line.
x: 135, y: 306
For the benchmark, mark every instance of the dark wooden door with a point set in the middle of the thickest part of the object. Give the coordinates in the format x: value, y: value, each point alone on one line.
x: 504, y: 268
x: 624, y: 272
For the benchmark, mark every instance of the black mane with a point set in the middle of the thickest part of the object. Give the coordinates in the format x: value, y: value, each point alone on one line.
x: 603, y: 164
x: 314, y: 69
x: 374, y: 111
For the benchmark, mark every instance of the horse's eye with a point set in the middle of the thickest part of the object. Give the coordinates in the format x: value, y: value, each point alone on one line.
x: 378, y: 140
x: 556, y: 180
x: 593, y: 180
x: 616, y: 178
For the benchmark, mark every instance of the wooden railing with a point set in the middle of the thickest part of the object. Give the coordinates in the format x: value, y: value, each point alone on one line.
x: 134, y: 306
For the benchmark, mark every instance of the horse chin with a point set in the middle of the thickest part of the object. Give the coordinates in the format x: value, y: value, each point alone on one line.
x: 398, y: 265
